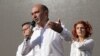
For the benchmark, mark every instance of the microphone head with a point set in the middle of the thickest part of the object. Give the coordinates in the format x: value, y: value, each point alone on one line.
x: 33, y: 23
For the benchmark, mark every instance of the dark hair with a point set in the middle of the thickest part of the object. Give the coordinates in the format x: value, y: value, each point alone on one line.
x: 45, y: 8
x: 88, y: 29
x: 26, y: 23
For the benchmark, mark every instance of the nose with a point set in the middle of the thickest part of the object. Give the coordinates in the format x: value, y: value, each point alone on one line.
x: 33, y: 15
x: 79, y: 29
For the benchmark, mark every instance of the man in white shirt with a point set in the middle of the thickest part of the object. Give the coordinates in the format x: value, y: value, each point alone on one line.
x: 27, y: 32
x: 48, y: 35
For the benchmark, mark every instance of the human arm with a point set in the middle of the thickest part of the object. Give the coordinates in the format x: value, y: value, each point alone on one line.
x: 58, y: 27
x: 31, y: 44
x: 86, y: 45
x: 26, y: 47
x: 66, y: 35
x: 19, y: 49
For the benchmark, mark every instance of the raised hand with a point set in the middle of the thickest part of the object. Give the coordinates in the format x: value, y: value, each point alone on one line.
x: 56, y: 26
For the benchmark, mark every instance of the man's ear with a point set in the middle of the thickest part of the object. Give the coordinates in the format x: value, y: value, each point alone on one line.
x: 46, y: 13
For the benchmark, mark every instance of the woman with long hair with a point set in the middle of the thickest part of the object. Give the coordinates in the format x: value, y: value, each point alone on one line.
x: 82, y: 44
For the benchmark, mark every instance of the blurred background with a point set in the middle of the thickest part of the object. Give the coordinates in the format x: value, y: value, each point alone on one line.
x: 15, y: 12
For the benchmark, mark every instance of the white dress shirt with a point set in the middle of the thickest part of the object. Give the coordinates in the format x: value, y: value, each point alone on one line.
x: 50, y: 42
x: 20, y: 49
x: 82, y: 49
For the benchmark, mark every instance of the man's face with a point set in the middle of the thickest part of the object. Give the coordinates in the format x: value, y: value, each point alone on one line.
x: 38, y: 14
x: 26, y: 30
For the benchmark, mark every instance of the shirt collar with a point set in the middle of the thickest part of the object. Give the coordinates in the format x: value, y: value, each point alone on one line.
x: 37, y: 27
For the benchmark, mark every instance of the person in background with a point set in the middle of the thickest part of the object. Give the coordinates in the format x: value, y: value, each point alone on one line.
x: 82, y: 44
x: 27, y: 32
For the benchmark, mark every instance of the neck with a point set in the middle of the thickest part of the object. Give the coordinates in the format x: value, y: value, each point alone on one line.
x: 81, y: 39
x: 43, y: 23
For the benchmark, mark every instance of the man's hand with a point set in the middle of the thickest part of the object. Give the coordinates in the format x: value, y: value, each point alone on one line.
x: 56, y: 26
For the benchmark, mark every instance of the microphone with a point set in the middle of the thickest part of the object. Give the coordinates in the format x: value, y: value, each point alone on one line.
x: 33, y: 23
x: 27, y: 38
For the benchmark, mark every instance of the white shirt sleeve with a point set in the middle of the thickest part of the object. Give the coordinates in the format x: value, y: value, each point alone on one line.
x: 66, y: 34
x: 19, y: 50
x: 87, y: 45
x: 26, y: 48
x: 29, y: 45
